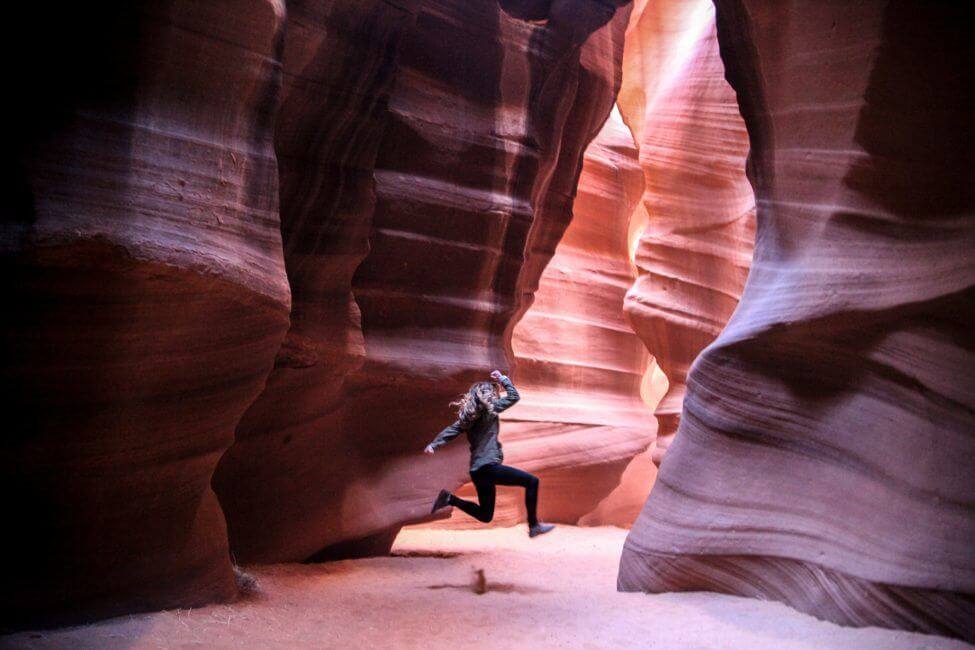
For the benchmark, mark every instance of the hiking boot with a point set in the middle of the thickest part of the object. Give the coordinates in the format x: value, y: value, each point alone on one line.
x: 539, y: 529
x: 442, y: 501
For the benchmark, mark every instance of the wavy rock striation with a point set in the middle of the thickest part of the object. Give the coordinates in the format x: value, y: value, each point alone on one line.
x: 280, y: 483
x: 146, y: 299
x: 825, y: 450
x: 693, y: 255
x: 412, y: 251
x: 581, y: 419
x: 428, y: 157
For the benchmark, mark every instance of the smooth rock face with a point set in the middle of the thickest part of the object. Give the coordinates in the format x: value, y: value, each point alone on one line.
x: 693, y: 255
x: 412, y: 253
x: 825, y: 451
x: 279, y: 484
x: 146, y: 299
x: 579, y: 366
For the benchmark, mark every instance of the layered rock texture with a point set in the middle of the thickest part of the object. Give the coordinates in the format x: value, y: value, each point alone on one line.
x: 281, y: 484
x: 261, y: 247
x: 579, y: 366
x: 825, y: 449
x: 693, y: 255
x: 177, y: 319
x: 410, y: 269
x: 146, y: 297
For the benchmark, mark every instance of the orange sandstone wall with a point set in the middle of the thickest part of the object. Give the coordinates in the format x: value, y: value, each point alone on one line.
x: 694, y: 253
x: 579, y: 367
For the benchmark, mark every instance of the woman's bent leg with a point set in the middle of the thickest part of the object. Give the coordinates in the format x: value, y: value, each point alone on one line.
x: 484, y: 510
x: 507, y: 475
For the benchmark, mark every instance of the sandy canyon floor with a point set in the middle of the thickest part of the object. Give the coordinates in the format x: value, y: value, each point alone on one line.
x: 556, y: 591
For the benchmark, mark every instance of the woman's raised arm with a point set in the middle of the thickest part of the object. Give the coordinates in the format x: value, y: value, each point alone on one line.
x: 510, y: 398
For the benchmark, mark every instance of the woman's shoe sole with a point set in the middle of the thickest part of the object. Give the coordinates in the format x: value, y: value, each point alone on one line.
x: 442, y: 501
x: 535, y: 533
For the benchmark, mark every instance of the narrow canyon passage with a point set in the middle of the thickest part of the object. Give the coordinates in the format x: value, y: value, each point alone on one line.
x: 254, y: 248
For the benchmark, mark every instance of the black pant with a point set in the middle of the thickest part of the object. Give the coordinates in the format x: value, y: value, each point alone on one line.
x: 486, y: 478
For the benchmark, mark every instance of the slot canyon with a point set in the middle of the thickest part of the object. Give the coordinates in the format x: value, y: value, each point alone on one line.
x: 723, y: 248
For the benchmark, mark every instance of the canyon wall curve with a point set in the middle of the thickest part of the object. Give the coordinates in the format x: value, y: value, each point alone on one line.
x: 143, y: 259
x: 824, y: 449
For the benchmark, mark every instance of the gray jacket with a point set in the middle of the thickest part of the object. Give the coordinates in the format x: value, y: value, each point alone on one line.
x: 482, y: 432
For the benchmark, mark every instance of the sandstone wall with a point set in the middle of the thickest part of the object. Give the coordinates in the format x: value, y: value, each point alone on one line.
x: 579, y: 367
x: 693, y: 255
x: 146, y: 297
x: 411, y: 267
x: 280, y: 485
x: 427, y: 153
x: 824, y: 453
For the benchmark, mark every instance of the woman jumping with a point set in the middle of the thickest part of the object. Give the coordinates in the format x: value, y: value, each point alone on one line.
x: 477, y: 415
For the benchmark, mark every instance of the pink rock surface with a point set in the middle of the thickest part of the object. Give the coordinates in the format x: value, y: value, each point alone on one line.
x: 581, y: 419
x: 409, y: 270
x: 146, y: 299
x: 694, y: 252
x: 825, y: 449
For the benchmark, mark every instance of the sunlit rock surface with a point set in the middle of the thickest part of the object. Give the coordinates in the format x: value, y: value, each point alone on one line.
x: 694, y: 252
x: 579, y: 367
x: 825, y: 450
x: 146, y: 297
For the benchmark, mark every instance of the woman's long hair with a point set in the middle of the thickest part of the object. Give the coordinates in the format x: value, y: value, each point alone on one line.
x: 479, y: 399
